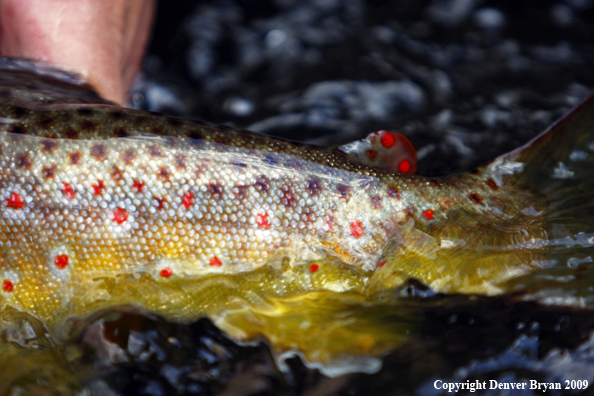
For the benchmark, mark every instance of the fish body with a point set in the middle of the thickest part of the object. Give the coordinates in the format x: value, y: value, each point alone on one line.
x: 101, y: 206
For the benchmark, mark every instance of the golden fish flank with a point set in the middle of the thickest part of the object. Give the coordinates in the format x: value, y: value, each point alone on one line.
x: 99, y: 195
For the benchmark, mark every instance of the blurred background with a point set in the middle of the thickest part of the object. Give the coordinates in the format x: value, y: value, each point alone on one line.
x: 465, y: 80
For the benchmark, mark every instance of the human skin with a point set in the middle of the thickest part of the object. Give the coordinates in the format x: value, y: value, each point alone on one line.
x: 104, y: 41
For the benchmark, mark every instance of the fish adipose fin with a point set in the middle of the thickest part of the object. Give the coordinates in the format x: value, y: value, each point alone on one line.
x: 386, y: 150
x: 558, y: 163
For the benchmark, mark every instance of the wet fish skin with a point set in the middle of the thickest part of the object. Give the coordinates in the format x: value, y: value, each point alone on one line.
x: 95, y: 191
x: 91, y: 191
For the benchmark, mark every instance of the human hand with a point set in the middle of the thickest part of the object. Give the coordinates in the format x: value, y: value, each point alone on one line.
x: 102, y: 40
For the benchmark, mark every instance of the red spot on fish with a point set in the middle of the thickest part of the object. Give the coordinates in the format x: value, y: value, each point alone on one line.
x: 387, y: 139
x: 7, y: 286
x: 49, y: 145
x: 393, y: 192
x: 166, y: 272
x: 262, y: 220
x: 23, y: 161
x: 74, y: 157
x: 381, y: 263
x: 188, y: 200
x: 128, y: 156
x: 68, y: 190
x: 61, y: 261
x: 160, y: 202
x: 492, y: 184
x: 215, y: 262
x: 376, y: 202
x: 49, y: 171
x: 98, y: 151
x: 313, y: 268
x: 404, y: 166
x: 371, y: 154
x: 163, y: 174
x: 357, y: 229
x: 15, y: 201
x: 120, y: 215
x: 314, y: 186
x: 428, y: 214
x: 138, y: 185
x: 98, y: 187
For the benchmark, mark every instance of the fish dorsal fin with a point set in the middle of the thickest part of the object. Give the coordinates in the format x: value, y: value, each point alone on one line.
x: 35, y: 82
x: 386, y: 150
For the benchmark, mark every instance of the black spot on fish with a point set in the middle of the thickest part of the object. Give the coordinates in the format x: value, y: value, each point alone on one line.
x: 314, y: 186
x: 195, y: 135
x: 117, y: 174
x: 128, y: 156
x: 46, y: 122
x: 121, y: 132
x: 344, y: 191
x: 174, y: 122
x: 476, y: 198
x: 262, y: 183
x: 71, y: 133
x: 85, y: 112
x: 116, y: 115
x: 215, y: 189
x: 49, y: 145
x: 89, y: 125
x: 49, y: 171
x: 240, y: 191
x: 154, y: 150
x: 18, y: 129
x: 376, y: 202
x: 157, y: 130
x: 393, y: 192
x: 164, y: 174
x: 287, y: 196
x: 75, y: 157
x: 19, y: 112
x: 475, y: 171
x: 98, y: 151
x: 23, y: 161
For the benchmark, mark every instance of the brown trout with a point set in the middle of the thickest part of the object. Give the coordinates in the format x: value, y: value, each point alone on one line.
x: 104, y: 206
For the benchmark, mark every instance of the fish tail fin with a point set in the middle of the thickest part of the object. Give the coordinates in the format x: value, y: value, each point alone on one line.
x: 558, y: 163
